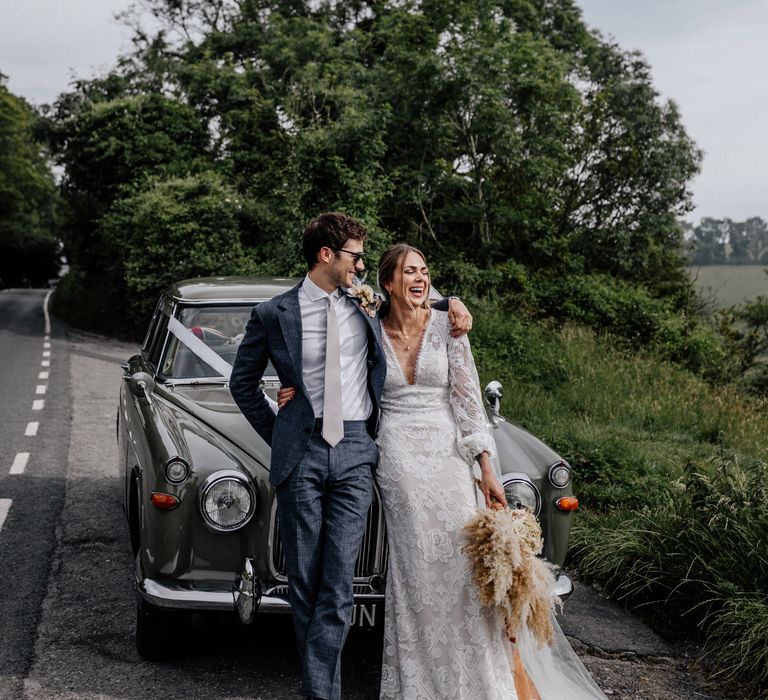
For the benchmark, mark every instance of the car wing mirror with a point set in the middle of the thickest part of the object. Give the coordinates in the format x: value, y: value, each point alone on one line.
x: 493, y: 393
x: 142, y: 385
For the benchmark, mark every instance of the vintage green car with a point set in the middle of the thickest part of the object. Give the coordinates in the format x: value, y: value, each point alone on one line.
x: 201, y: 513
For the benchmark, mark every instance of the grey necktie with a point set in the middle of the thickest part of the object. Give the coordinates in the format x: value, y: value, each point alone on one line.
x: 333, y: 420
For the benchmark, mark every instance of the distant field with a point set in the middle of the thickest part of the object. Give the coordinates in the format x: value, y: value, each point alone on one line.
x: 726, y: 285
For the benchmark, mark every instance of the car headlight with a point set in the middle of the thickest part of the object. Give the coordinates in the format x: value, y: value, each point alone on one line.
x: 227, y: 501
x: 559, y: 475
x: 521, y: 492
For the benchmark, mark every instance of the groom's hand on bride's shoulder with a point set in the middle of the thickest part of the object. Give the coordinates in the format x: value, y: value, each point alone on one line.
x: 459, y: 317
x: 284, y: 395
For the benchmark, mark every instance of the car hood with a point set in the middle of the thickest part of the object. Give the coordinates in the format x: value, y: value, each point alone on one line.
x: 519, y: 451
x: 213, y: 405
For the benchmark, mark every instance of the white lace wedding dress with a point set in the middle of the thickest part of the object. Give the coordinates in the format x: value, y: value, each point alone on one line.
x: 439, y: 642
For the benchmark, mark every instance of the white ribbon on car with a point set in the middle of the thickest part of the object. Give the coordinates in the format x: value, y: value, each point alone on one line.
x: 204, y: 353
x: 199, y: 348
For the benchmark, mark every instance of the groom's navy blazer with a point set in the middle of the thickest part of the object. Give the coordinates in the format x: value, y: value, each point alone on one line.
x: 274, y: 333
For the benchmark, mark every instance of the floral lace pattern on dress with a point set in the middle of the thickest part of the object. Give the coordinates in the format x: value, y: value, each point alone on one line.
x: 439, y: 642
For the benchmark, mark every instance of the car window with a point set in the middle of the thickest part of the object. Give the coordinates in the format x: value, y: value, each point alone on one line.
x: 147, y: 344
x: 221, y: 328
x: 155, y: 340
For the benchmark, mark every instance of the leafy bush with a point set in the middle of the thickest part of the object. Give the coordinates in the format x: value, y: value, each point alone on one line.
x: 744, y: 329
x: 174, y: 229
x: 635, y: 317
x: 622, y: 308
x: 505, y: 281
x: 694, y: 343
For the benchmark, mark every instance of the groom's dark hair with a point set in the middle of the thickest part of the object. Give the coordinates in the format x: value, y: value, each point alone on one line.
x: 332, y: 229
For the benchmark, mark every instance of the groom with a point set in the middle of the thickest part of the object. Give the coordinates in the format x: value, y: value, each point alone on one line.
x: 327, y: 345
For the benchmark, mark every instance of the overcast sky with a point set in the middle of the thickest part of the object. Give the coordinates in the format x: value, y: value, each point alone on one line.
x: 710, y: 56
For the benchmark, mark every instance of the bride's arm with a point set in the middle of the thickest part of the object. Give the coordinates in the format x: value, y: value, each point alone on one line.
x: 475, y: 439
x: 493, y: 491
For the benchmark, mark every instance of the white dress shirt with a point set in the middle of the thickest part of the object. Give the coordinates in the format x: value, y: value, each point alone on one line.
x: 353, y: 343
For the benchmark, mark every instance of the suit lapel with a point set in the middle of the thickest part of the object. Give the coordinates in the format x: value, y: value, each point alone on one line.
x: 290, y: 323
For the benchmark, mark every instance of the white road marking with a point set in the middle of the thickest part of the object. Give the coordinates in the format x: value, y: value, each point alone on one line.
x: 45, y: 363
x: 31, y: 430
x: 41, y: 388
x: 43, y: 375
x: 46, y: 314
x: 47, y: 346
x: 5, y: 506
x: 38, y: 405
x: 46, y: 353
x: 46, y: 337
x: 20, y: 463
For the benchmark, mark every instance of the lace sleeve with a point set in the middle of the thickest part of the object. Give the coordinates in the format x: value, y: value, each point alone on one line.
x: 474, y: 434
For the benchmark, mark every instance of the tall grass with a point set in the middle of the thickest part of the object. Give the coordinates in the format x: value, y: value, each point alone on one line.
x: 697, y: 559
x: 670, y: 472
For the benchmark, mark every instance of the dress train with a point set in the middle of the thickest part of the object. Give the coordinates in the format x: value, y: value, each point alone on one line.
x: 555, y: 671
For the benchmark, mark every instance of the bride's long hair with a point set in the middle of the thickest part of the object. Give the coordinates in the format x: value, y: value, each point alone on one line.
x: 392, y: 259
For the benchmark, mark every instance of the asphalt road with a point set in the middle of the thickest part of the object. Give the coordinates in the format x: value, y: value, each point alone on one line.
x: 66, y: 579
x: 34, y: 434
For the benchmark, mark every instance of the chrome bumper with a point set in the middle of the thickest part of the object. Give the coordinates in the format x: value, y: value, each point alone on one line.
x: 243, y: 596
x: 184, y: 597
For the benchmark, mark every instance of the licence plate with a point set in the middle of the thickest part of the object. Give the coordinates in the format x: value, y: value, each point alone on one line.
x: 364, y: 614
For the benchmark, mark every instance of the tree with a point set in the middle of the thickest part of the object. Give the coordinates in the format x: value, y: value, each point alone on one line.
x: 738, y: 242
x: 709, y: 241
x: 724, y: 241
x: 756, y: 231
x: 493, y: 133
x: 28, y: 199
x: 108, y: 143
x: 104, y: 145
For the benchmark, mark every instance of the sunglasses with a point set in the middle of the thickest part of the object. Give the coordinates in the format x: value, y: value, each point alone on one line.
x: 356, y: 257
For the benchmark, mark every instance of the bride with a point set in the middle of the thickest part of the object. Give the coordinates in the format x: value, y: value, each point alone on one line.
x: 439, y: 642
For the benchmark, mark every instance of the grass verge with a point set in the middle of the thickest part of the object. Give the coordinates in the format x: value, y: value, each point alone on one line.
x: 670, y: 473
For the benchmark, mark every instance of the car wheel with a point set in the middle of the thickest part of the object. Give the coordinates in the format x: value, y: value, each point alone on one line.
x: 160, y: 634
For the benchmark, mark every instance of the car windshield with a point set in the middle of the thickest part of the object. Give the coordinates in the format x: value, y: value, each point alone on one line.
x: 221, y: 328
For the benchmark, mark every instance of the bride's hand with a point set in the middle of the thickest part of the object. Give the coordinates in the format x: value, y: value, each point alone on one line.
x: 284, y: 395
x: 489, y: 484
x: 493, y: 492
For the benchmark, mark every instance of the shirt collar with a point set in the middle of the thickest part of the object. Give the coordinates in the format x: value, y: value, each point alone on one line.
x: 315, y: 293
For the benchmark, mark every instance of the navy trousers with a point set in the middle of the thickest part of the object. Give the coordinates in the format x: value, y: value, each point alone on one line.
x: 322, y: 508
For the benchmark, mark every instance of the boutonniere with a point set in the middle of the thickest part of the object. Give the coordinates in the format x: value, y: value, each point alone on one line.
x: 369, y: 302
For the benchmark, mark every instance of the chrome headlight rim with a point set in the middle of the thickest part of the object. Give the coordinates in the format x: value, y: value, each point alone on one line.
x: 562, y: 464
x: 176, y: 480
x: 523, y: 479
x: 216, y: 478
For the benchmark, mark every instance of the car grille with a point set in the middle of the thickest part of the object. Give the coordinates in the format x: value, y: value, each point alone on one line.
x: 371, y: 564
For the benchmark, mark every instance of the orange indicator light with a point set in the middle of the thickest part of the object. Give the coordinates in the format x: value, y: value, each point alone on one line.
x: 163, y: 501
x: 567, y: 503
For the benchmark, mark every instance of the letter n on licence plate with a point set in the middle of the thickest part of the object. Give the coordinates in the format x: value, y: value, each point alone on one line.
x: 364, y: 614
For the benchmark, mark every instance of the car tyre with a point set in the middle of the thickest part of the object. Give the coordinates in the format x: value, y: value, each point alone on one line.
x: 160, y: 633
